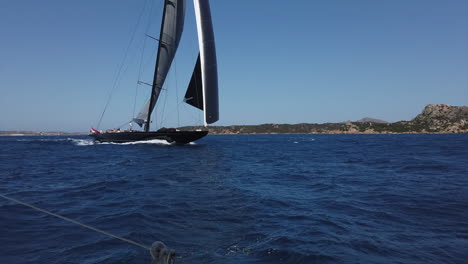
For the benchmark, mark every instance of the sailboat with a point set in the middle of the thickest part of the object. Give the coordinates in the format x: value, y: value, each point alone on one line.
x: 202, y: 91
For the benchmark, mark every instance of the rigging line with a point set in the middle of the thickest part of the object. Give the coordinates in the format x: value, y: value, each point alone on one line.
x: 139, y: 76
x: 122, y: 63
x: 164, y: 108
x: 199, y: 114
x: 76, y: 222
x: 197, y: 88
x: 126, y: 123
x: 177, y: 93
x: 165, y: 100
x: 141, y: 57
x: 188, y: 110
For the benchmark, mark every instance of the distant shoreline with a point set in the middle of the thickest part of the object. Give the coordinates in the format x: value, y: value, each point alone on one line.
x: 37, y: 134
x: 389, y: 133
x: 434, y: 119
x: 30, y: 133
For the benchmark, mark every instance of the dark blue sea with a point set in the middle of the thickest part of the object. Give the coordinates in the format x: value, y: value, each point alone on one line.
x: 238, y: 199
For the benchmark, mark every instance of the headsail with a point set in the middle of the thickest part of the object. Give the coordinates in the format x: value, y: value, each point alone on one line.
x: 171, y: 31
x: 206, y: 64
x: 194, y: 94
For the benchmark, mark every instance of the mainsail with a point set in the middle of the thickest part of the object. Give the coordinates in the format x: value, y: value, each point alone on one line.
x: 171, y: 31
x: 205, y: 75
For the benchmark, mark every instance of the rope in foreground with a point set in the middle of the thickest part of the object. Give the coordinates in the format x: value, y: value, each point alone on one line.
x: 158, y: 250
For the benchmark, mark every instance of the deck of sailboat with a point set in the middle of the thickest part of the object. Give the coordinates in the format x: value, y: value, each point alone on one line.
x: 178, y: 137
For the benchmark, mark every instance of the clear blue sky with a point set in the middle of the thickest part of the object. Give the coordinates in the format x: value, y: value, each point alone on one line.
x: 279, y: 61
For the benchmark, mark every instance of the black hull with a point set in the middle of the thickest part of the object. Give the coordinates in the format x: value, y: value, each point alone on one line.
x: 179, y: 137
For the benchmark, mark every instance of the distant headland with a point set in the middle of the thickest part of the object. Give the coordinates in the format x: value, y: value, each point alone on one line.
x: 435, y: 118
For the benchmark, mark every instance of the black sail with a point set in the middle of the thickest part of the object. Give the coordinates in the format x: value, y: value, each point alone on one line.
x: 194, y: 94
x: 171, y: 31
x: 207, y: 63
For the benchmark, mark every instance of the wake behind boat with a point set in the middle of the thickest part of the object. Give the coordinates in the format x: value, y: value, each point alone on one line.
x: 202, y: 91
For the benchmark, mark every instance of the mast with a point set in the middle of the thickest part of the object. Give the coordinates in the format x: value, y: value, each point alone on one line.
x: 153, y: 97
x: 172, y: 26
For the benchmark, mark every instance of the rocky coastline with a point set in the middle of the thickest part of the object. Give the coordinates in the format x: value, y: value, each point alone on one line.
x: 435, y: 118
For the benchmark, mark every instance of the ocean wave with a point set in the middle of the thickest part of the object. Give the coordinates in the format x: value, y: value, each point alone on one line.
x: 152, y: 141
x: 288, y: 256
x: 90, y: 142
x: 81, y: 142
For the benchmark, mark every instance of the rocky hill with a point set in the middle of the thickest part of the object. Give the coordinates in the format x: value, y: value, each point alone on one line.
x: 437, y: 118
x: 441, y: 117
x: 372, y: 120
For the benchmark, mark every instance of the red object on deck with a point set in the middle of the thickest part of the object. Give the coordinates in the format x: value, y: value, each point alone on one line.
x: 95, y: 131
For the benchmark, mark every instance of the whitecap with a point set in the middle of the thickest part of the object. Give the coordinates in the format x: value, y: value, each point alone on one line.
x: 152, y: 141
x: 81, y: 142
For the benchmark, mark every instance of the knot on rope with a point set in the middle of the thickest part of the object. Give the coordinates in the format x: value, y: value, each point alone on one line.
x: 161, y: 254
